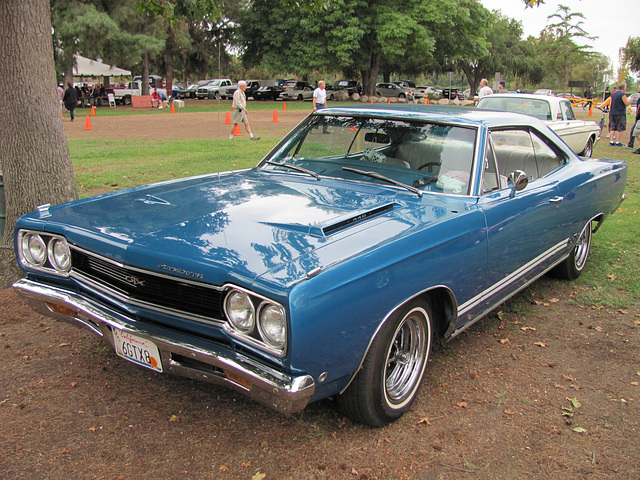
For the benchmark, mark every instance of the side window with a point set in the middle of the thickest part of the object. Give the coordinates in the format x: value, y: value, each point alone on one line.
x: 514, y: 151
x: 526, y: 151
x: 546, y: 158
x: 490, y: 179
x: 568, y: 111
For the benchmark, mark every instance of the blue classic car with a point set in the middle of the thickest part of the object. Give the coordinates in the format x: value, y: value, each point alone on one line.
x: 329, y: 269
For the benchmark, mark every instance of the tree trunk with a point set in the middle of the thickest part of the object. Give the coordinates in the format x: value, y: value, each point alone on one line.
x: 145, y: 73
x: 370, y: 76
x: 35, y: 159
x: 35, y: 156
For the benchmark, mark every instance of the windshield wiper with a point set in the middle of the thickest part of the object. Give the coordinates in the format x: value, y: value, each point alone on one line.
x: 377, y: 176
x: 294, y: 167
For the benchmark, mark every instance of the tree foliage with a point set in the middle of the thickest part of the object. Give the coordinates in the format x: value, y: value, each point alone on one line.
x: 631, y: 54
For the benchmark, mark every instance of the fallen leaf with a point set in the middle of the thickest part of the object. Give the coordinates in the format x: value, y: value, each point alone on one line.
x: 560, y: 386
x: 554, y: 300
x: 579, y: 430
x: 462, y: 404
x: 635, y: 384
x: 524, y: 329
x: 504, y: 340
x: 174, y: 418
x: 568, y: 378
x: 510, y: 412
x: 611, y: 276
x: 540, y: 344
x: 223, y: 468
x: 259, y: 476
x: 623, y: 312
x: 424, y: 420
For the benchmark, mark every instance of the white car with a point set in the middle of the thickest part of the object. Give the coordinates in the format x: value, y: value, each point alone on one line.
x: 579, y: 135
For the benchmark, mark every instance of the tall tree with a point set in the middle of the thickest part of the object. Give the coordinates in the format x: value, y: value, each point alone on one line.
x: 565, y: 52
x: 631, y: 54
x: 35, y: 156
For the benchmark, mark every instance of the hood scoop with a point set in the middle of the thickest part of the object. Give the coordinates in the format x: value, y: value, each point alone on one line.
x: 342, y: 223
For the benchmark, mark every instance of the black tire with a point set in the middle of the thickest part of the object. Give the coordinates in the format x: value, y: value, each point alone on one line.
x: 588, y: 149
x: 126, y: 99
x: 388, y: 382
x: 574, y: 264
x: 300, y: 97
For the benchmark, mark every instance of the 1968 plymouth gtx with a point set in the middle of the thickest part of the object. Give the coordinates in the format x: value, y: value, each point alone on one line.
x: 581, y: 136
x: 329, y: 269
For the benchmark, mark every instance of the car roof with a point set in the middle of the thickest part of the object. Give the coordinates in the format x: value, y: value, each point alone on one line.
x: 462, y: 115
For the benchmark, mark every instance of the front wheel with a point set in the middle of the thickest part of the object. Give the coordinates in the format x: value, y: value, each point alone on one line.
x: 573, y: 265
x: 388, y: 382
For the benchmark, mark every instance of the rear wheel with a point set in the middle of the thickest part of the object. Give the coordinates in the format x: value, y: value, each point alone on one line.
x: 392, y: 372
x: 572, y: 266
x: 588, y: 149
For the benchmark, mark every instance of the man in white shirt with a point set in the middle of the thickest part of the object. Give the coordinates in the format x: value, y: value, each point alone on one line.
x: 320, y: 96
x: 239, y: 107
x: 485, y: 89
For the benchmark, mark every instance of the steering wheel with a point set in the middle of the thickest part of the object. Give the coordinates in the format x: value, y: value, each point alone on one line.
x: 430, y: 165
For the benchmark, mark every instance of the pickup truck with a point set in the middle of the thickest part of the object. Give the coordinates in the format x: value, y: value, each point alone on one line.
x: 213, y: 88
x: 252, y: 87
x: 133, y: 89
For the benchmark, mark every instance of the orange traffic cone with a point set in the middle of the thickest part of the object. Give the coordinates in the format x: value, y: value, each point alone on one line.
x: 236, y: 132
x: 591, y: 110
x: 389, y: 101
x: 275, y: 115
x: 93, y: 110
x: 371, y: 102
x: 227, y: 120
x: 87, y: 126
x: 426, y: 101
x: 284, y: 105
x: 173, y: 108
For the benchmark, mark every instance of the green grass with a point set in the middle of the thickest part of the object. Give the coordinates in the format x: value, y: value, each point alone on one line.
x: 611, y: 279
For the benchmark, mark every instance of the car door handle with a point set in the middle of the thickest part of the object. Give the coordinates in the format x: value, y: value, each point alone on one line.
x: 556, y: 199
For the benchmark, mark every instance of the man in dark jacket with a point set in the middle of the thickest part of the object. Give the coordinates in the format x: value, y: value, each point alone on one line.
x: 70, y: 100
x: 631, y: 137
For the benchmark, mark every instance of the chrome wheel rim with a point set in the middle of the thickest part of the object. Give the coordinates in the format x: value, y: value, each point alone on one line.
x: 407, y: 357
x: 582, y: 248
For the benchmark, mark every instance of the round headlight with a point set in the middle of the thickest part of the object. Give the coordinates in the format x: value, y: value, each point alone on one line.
x: 272, y: 325
x: 34, y: 249
x: 240, y: 311
x: 59, y: 255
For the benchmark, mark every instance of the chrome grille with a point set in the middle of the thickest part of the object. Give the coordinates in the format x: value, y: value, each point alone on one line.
x: 157, y: 291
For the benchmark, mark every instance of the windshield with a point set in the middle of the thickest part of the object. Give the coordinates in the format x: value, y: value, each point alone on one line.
x: 422, y: 155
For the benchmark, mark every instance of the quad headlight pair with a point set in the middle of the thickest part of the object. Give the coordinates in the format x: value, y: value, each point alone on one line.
x: 256, y: 319
x: 45, y: 252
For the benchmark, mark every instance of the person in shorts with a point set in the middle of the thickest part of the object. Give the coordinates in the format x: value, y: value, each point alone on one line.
x: 239, y: 112
x: 618, y: 103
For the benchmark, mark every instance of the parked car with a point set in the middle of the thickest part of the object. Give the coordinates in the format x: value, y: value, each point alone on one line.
x: 581, y: 136
x: 634, y: 97
x: 296, y: 90
x: 391, y: 90
x: 270, y: 92
x: 544, y: 91
x: 190, y: 91
x: 331, y: 268
x: 351, y: 86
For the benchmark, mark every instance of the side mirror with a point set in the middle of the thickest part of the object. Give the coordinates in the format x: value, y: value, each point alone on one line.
x: 517, y: 181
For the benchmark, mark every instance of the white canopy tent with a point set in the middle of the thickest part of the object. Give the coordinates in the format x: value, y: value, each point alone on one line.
x: 85, y: 67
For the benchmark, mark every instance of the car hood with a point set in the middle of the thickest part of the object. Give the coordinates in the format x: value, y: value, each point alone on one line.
x: 241, y: 225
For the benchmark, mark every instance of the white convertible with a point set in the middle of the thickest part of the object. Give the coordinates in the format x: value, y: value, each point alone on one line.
x: 579, y: 135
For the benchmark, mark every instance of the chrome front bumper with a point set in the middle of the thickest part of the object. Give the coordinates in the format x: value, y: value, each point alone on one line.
x: 283, y: 393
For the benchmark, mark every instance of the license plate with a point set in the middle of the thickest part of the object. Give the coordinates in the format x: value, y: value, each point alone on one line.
x: 137, y: 350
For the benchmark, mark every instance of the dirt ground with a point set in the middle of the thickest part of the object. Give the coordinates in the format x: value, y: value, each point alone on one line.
x: 544, y: 388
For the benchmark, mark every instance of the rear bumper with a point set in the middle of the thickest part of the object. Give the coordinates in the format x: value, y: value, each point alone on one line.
x: 283, y: 393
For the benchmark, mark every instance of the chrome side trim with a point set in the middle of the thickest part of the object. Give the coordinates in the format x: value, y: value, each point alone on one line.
x: 482, y: 296
x: 280, y: 392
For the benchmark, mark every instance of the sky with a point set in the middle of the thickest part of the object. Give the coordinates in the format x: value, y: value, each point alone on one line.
x: 611, y: 25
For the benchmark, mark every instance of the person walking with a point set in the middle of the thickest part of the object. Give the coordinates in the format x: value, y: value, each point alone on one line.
x: 70, y: 100
x: 239, y: 113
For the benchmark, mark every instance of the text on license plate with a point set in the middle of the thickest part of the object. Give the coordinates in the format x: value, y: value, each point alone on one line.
x: 137, y: 349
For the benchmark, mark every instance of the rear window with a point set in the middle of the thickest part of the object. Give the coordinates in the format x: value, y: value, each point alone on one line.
x: 534, y: 108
